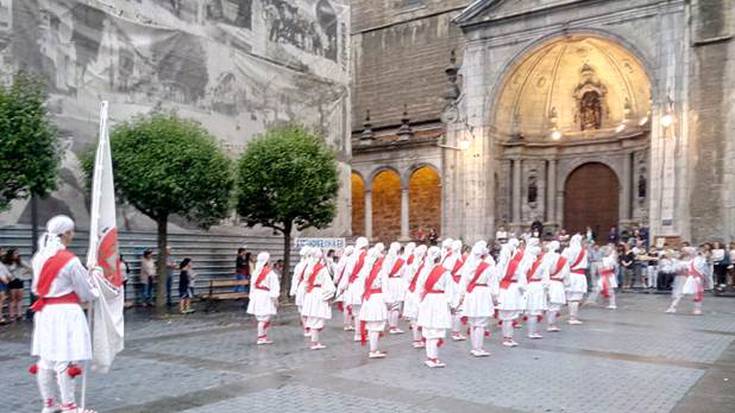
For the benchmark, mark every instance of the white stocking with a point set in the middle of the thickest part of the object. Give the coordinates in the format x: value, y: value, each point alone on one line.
x: 573, y: 309
x: 432, y: 349
x: 478, y: 337
x: 393, y: 318
x: 45, y: 379
x: 532, y: 322
x: 314, y: 335
x: 261, y: 329
x: 612, y: 297
x: 373, y: 336
x: 66, y: 383
x: 698, y: 306
x: 348, y: 316
x: 416, y: 331
x: 456, y: 323
x: 675, y: 302
x: 551, y: 316
x: 508, y: 329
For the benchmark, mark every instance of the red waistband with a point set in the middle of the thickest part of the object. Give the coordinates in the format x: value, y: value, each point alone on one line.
x: 580, y: 271
x: 534, y: 280
x: 264, y: 288
x: 607, y: 272
x: 41, y: 302
x: 434, y: 292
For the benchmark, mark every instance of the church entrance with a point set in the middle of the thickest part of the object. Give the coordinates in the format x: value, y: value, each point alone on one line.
x: 591, y: 198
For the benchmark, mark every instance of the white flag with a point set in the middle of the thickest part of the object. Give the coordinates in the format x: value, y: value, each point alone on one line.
x: 108, y: 327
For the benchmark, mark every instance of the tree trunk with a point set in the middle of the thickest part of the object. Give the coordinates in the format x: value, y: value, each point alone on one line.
x: 162, y: 258
x: 34, y: 222
x: 286, y: 277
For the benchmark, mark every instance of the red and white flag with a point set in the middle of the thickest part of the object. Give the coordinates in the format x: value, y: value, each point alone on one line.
x: 108, y: 330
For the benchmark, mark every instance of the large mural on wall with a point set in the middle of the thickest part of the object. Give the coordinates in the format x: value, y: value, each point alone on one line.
x: 237, y: 66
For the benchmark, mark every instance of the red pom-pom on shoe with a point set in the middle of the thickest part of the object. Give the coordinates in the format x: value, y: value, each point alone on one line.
x: 33, y: 369
x: 73, y: 370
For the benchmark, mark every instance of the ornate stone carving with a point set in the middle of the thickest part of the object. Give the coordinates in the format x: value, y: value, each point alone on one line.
x: 590, y: 95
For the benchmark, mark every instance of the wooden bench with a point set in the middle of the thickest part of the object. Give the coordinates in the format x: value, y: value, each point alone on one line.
x: 216, y: 293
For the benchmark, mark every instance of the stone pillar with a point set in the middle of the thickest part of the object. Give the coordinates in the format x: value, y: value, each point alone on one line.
x: 625, y: 204
x: 369, y: 214
x: 405, y: 236
x: 517, y: 193
x: 551, y: 191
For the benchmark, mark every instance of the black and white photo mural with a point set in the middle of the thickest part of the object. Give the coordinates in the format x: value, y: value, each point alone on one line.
x: 237, y: 66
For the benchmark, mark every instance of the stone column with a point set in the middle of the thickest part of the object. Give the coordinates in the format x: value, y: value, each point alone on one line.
x: 551, y: 191
x: 625, y: 185
x: 405, y: 236
x: 517, y: 192
x: 369, y: 214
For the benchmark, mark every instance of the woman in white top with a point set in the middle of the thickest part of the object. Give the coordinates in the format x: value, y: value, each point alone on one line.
x: 607, y: 283
x: 719, y: 263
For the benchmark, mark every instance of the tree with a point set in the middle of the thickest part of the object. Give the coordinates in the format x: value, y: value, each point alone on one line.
x: 164, y: 165
x: 287, y: 178
x: 29, y: 147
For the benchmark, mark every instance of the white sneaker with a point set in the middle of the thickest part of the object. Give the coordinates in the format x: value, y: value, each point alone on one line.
x: 671, y: 310
x: 553, y: 329
x: 376, y: 355
x: 317, y: 346
x: 479, y: 353
x: 697, y: 312
x: 307, y: 334
x: 509, y: 343
x: 395, y: 330
x: 612, y: 307
x: 575, y: 322
x: 419, y: 344
x: 430, y: 363
x: 458, y: 337
x: 262, y: 341
x: 535, y: 336
x: 349, y: 328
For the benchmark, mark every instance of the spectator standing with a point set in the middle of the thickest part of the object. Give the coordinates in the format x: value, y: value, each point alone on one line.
x: 18, y: 271
x: 501, y: 235
x: 148, y: 275
x: 731, y: 268
x: 612, y: 236
x: 666, y: 270
x: 589, y: 235
x: 185, y: 292
x: 653, y: 267
x: 627, y: 260
x: 4, y: 280
x: 125, y: 275
x: 433, y: 237
x: 720, y: 262
x: 170, y: 273
x: 420, y: 235
x: 640, y: 264
x: 596, y: 255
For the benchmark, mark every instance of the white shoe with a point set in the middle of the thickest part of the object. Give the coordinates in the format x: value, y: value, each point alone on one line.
x: 376, y: 355
x: 434, y: 363
x: 671, y: 310
x: 509, y: 343
x: 535, y: 336
x: 349, y: 328
x: 357, y: 339
x: 458, y: 337
x: 395, y: 330
x: 697, y: 312
x: 575, y: 322
x: 74, y: 409
x: 262, y: 341
x: 479, y: 353
x: 307, y: 334
x: 419, y: 344
x: 612, y: 307
x: 553, y: 329
x: 317, y: 346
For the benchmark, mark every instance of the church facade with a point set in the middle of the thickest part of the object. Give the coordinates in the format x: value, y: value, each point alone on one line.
x: 574, y: 114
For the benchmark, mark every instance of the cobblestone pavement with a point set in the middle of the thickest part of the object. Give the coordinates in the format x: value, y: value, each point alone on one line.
x: 635, y: 359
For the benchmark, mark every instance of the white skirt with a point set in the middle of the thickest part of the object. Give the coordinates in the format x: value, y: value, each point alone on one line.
x: 453, y: 292
x: 511, y: 299
x: 577, y: 283
x: 300, y: 291
x: 353, y: 294
x: 612, y: 281
x: 556, y: 293
x: 433, y: 333
x: 261, y: 303
x: 434, y: 313
x: 396, y: 290
x: 315, y: 305
x: 374, y: 309
x: 691, y: 285
x: 61, y: 333
x: 314, y: 323
x: 536, y: 298
x: 411, y: 306
x: 677, y: 287
x: 478, y: 303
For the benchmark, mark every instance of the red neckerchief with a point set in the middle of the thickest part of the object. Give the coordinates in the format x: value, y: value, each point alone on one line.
x: 396, y: 267
x: 312, y: 278
x: 358, y: 266
x: 263, y: 273
x: 582, y: 254
x: 412, y: 286
x: 433, y: 278
x: 371, y: 278
x: 511, y: 270
x: 534, y: 267
x: 478, y: 272
x: 559, y: 265
x: 51, y: 269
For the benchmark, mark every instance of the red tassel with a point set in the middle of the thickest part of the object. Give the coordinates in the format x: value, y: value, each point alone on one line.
x: 540, y: 318
x: 349, y: 310
x: 440, y: 342
x: 464, y: 320
x: 363, y: 333
x: 525, y: 318
x: 500, y: 322
x: 73, y: 370
x: 487, y: 333
x: 33, y: 369
x: 266, y: 325
x: 341, y: 307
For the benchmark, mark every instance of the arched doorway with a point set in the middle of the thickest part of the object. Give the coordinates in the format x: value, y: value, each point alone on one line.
x: 424, y: 191
x: 591, y: 198
x: 358, y: 205
x: 386, y: 202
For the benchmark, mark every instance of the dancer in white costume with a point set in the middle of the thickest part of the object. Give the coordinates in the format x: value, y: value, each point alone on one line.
x: 394, y: 265
x: 411, y: 302
x: 318, y: 290
x: 340, y: 273
x: 264, y: 297
x: 351, y: 287
x: 60, y: 330
x: 576, y: 255
x: 434, y: 316
x: 475, y: 298
x: 373, y: 311
x: 607, y: 281
x: 537, y: 278
x: 693, y: 266
x: 512, y: 286
x: 558, y: 270
x: 297, y: 282
x: 453, y: 263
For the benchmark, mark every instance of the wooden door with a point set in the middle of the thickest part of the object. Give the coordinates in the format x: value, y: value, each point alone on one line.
x: 591, y: 198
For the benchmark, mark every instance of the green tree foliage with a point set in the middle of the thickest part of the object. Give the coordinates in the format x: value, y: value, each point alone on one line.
x: 29, y: 149
x: 164, y: 165
x: 286, y: 179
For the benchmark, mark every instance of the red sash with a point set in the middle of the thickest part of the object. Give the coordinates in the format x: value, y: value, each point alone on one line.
x: 604, y: 274
x: 410, y: 260
x: 312, y: 278
x: 580, y: 257
x: 412, y: 286
x: 370, y: 279
x: 358, y: 266
x: 699, y: 296
x: 261, y: 277
x: 534, y: 267
x: 478, y: 272
x: 51, y: 269
x: 396, y: 267
x: 512, y: 267
x: 457, y: 266
x: 432, y: 279
x: 559, y: 266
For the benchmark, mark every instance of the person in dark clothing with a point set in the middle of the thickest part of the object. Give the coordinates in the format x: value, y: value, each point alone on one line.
x: 185, y: 292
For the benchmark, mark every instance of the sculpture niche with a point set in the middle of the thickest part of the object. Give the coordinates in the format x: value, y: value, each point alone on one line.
x: 590, y: 96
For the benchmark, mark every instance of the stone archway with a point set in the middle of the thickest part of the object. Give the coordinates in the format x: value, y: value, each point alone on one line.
x: 591, y: 198
x: 386, y: 205
x: 358, y: 204
x: 425, y: 199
